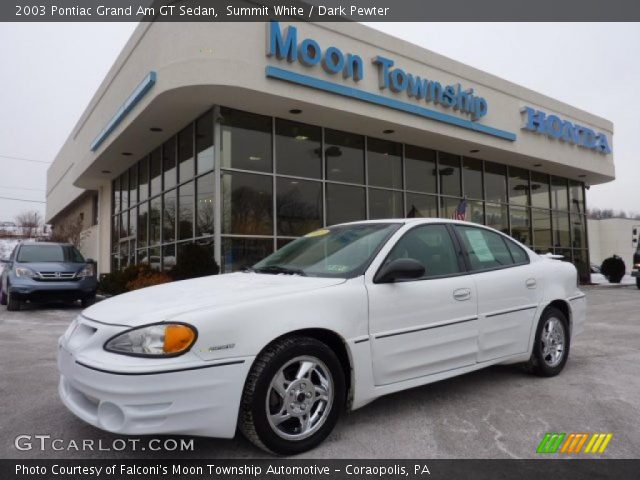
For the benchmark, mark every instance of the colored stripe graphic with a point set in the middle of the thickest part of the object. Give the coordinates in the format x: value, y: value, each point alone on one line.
x: 572, y: 443
x: 550, y: 443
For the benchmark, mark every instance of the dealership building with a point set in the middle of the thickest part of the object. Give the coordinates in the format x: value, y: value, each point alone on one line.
x: 239, y: 137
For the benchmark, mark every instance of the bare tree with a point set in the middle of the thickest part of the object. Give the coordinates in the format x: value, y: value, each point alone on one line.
x: 29, y: 223
x: 69, y: 231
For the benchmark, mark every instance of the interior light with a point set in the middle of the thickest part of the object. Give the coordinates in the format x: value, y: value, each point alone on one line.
x: 254, y: 158
x: 301, y: 137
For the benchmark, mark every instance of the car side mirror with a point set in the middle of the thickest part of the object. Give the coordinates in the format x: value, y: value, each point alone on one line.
x: 400, y: 269
x: 90, y: 260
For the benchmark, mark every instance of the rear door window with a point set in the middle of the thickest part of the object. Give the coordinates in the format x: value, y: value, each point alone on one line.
x: 485, y: 249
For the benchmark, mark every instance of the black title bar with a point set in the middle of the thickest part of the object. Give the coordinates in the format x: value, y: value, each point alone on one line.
x: 317, y: 10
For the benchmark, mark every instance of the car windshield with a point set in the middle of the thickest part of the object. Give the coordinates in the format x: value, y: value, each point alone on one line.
x: 49, y: 253
x: 343, y: 251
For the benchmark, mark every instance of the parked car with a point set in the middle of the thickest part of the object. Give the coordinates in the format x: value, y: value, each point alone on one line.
x: 334, y: 319
x: 635, y: 271
x: 43, y: 272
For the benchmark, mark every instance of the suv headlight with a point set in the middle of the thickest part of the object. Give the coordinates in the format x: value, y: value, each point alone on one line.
x: 25, y: 272
x: 157, y: 340
x: 87, y: 271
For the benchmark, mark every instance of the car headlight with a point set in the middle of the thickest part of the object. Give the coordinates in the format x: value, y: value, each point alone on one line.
x: 157, y: 340
x: 637, y: 265
x: 25, y: 272
x: 87, y: 271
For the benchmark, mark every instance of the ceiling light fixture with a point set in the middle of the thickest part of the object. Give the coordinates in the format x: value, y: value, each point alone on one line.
x: 127, y: 154
x: 155, y: 129
x: 388, y: 131
x: 295, y: 111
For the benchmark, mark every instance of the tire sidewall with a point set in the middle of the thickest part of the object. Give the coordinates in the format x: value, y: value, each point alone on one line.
x: 545, y: 369
x: 262, y: 427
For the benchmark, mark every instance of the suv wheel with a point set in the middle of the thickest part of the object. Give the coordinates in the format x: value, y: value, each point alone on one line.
x: 13, y: 303
x: 638, y: 282
x: 88, y: 301
x: 3, y: 296
x: 293, y: 396
x: 551, y: 347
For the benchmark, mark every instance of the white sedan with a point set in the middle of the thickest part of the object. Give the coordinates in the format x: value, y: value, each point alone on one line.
x: 332, y: 320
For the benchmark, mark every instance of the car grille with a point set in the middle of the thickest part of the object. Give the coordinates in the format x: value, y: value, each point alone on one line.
x: 56, y: 276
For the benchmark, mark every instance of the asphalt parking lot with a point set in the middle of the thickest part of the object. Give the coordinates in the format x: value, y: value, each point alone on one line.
x: 499, y: 412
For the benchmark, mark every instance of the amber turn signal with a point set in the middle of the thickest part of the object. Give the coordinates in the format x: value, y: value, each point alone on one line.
x: 177, y: 338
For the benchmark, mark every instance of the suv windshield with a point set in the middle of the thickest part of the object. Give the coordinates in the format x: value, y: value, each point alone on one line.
x: 343, y: 251
x: 49, y: 253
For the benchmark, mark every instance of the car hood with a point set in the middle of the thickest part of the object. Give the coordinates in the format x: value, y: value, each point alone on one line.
x: 163, y: 302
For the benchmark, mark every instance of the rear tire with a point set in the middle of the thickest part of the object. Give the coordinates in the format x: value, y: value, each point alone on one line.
x: 551, y: 344
x: 13, y: 303
x: 638, y: 283
x: 293, y: 396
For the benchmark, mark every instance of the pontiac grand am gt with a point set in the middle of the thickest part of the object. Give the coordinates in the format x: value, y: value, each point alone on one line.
x: 334, y: 319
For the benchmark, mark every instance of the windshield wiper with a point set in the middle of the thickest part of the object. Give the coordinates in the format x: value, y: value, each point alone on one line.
x: 275, y: 269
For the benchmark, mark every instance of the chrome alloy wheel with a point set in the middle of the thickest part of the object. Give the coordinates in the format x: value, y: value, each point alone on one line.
x: 553, y: 340
x: 299, y: 398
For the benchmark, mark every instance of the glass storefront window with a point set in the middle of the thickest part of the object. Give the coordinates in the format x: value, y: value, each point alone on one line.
x: 185, y: 154
x: 495, y: 182
x: 155, y: 215
x: 421, y: 205
x: 518, y: 186
x: 186, y: 199
x: 448, y: 207
x: 246, y: 141
x: 497, y: 217
x: 385, y: 204
x: 420, y: 165
x: 205, y: 206
x: 561, y: 229
x: 133, y: 185
x: 124, y: 194
x: 345, y: 204
x: 472, y: 177
x: 475, y: 212
x: 239, y: 253
x: 155, y: 172
x: 298, y: 149
x: 299, y: 204
x: 540, y: 190
x: 449, y: 173
x: 384, y: 162
x: 168, y: 256
x: 521, y: 225
x: 124, y: 224
x: 204, y: 143
x: 541, y: 221
x: 116, y: 195
x: 143, y: 224
x: 247, y: 204
x: 169, y: 163
x: 559, y: 194
x: 576, y: 197
x: 578, y: 229
x: 344, y: 154
x: 143, y: 179
x: 169, y: 217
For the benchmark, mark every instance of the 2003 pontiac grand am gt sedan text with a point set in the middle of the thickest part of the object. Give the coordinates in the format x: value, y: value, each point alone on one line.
x: 334, y: 319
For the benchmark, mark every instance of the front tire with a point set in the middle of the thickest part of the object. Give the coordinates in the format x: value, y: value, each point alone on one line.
x: 14, y: 304
x: 3, y: 295
x: 552, y: 342
x: 638, y: 282
x: 88, y: 301
x: 293, y: 396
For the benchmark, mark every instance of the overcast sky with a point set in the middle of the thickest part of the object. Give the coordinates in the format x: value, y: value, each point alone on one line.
x: 50, y: 72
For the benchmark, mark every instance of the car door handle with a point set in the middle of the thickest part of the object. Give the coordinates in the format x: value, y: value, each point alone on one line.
x: 531, y: 283
x: 462, y: 294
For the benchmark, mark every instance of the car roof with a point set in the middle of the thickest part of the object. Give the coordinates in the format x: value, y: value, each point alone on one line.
x: 406, y: 221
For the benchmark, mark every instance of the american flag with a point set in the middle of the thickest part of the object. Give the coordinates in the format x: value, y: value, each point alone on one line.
x: 461, y: 211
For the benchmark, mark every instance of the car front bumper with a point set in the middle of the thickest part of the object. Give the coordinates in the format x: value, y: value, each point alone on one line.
x: 183, y: 399
x: 29, y: 289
